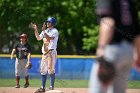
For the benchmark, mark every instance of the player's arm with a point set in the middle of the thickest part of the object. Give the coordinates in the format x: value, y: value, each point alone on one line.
x: 28, y: 57
x: 12, y: 53
x: 34, y: 26
x: 106, y: 31
x: 106, y: 24
x: 137, y: 52
x: 29, y: 54
x: 37, y: 35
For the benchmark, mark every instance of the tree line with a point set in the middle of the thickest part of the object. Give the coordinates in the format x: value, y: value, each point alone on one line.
x: 76, y: 22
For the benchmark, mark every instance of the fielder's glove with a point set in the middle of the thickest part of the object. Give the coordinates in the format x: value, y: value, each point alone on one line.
x: 50, y: 70
x: 106, y: 71
x: 28, y: 65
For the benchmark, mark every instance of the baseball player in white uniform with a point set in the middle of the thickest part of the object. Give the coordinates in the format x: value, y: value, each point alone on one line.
x: 49, y: 35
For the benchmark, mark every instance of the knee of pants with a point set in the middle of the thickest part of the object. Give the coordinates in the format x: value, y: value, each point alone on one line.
x: 51, y: 71
x: 16, y: 74
x: 25, y: 73
x: 43, y: 72
x: 43, y: 68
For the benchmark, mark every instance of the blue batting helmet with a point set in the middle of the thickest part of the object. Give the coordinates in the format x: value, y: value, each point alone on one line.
x: 52, y: 20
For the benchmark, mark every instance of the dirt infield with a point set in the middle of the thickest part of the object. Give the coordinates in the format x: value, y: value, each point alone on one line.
x: 65, y: 90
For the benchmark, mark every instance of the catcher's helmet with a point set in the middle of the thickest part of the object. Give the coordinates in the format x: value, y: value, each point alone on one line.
x: 52, y: 20
x: 23, y: 35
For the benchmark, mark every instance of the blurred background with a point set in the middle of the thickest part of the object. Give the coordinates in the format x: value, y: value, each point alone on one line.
x: 76, y: 22
x: 78, y: 34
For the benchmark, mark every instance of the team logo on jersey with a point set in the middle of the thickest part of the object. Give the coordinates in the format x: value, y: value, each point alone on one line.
x: 126, y: 17
x: 23, y: 49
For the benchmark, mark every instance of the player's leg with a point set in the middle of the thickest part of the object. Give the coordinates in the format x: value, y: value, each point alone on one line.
x: 52, y: 62
x: 123, y: 66
x: 25, y: 72
x: 96, y: 86
x: 17, y: 73
x: 43, y: 71
x: 43, y: 79
x: 120, y: 82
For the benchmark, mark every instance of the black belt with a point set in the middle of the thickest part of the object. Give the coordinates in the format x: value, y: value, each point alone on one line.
x: 48, y: 51
x: 51, y: 49
x: 21, y: 58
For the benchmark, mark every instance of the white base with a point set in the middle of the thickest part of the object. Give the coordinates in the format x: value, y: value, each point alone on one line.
x: 54, y: 91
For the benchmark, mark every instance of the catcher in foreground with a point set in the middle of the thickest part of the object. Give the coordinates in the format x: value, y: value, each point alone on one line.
x: 22, y: 51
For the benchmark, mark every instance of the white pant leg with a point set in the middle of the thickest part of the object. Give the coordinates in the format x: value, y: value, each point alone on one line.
x: 17, y: 68
x: 44, y: 62
x: 125, y: 60
x: 95, y: 85
x: 122, y: 56
x: 24, y: 70
x: 20, y: 65
x: 54, y: 54
x: 44, y: 65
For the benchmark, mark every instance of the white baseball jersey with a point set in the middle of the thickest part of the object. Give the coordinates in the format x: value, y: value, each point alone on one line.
x: 51, y: 33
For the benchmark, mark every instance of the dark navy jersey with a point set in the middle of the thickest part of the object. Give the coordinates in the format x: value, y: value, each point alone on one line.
x: 125, y: 15
x: 22, y: 50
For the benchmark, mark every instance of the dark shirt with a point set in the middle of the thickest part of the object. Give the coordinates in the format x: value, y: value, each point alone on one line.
x: 22, y: 50
x: 125, y: 15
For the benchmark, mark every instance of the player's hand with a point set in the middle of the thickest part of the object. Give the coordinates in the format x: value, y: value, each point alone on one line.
x: 11, y: 57
x: 44, y: 27
x: 28, y: 65
x: 50, y: 67
x: 100, y: 52
x: 136, y: 65
x: 34, y: 26
x: 28, y: 62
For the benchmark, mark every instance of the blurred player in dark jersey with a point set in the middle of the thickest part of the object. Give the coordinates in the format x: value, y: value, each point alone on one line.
x: 119, y: 29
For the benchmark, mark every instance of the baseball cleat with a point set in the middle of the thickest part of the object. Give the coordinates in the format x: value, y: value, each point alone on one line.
x: 51, y: 88
x: 17, y: 86
x: 26, y: 85
x: 40, y: 90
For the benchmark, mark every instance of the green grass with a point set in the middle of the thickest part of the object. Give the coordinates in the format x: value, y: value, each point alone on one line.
x: 134, y: 84
x: 37, y: 82
x: 60, y: 83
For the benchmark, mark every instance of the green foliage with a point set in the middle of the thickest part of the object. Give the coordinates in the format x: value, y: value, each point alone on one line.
x: 76, y: 22
x: 91, y: 37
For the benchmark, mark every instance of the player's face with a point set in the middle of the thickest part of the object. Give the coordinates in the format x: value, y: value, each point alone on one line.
x: 49, y: 24
x: 23, y: 39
